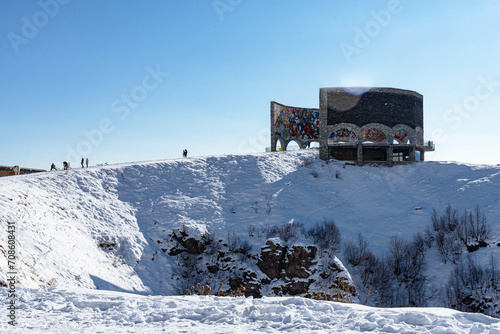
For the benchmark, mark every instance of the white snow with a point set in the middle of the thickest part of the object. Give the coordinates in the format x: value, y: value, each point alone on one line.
x: 62, y: 217
x: 98, y: 311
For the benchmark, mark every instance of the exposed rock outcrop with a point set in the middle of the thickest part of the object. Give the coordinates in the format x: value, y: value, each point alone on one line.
x: 278, y: 269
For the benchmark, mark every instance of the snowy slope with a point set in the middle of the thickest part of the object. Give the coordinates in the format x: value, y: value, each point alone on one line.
x: 62, y: 217
x: 107, y: 227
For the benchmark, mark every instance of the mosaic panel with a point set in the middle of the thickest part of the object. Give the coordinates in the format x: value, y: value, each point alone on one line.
x: 343, y: 134
x: 296, y: 123
x: 401, y: 135
x: 375, y: 134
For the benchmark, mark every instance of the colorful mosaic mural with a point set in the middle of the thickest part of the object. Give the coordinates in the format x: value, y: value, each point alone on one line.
x: 296, y: 122
x: 400, y: 135
x: 375, y: 134
x: 343, y: 134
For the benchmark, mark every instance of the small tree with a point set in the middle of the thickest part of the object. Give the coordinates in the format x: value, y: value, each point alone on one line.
x: 326, y: 234
x: 482, y: 228
x: 354, y: 253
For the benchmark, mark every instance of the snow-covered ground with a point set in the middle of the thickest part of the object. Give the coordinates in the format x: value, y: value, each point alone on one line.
x: 98, y: 311
x: 106, y: 228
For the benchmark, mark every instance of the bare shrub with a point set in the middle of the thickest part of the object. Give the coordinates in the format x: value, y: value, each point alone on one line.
x: 212, y: 247
x: 232, y: 242
x: 326, y: 234
x: 287, y: 231
x: 290, y: 230
x: 255, y: 206
x: 429, y: 236
x: 463, y: 232
x: 251, y: 230
x: 207, y: 238
x: 480, y: 229
x: 451, y: 218
x: 351, y: 253
x: 398, y: 253
x: 448, y: 247
x: 370, y: 264
x: 238, y: 245
x: 396, y: 280
x: 188, y: 264
x: 271, y: 231
x: 244, y: 249
x: 470, y: 287
x: 355, y: 252
x: 341, y: 293
x: 470, y: 229
x: 420, y: 242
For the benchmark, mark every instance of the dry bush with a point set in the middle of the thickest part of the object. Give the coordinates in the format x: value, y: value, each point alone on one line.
x: 326, y: 234
x: 341, y: 293
x: 206, y: 291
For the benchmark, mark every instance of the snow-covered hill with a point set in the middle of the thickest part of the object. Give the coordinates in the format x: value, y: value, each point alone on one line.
x: 110, y: 227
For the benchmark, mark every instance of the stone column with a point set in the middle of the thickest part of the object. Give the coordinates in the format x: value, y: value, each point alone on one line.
x: 360, y: 154
x: 323, y: 126
x: 412, y: 153
x: 323, y: 152
x: 272, y: 126
x: 389, y: 151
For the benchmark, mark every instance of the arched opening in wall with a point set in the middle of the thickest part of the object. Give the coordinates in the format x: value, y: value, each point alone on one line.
x: 314, y: 144
x: 292, y: 146
x: 278, y: 145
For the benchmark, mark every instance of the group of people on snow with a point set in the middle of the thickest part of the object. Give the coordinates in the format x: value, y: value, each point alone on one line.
x: 66, y: 165
x: 85, y: 162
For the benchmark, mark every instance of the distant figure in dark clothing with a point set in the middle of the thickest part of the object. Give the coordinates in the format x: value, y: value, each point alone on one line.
x: 53, y: 167
x: 87, y: 162
x: 65, y: 165
x: 82, y: 162
x: 185, y: 153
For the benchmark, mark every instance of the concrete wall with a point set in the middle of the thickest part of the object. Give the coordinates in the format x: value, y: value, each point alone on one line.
x: 388, y: 106
x: 381, y: 116
x: 293, y: 124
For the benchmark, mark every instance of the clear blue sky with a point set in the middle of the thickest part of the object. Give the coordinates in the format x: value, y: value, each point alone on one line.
x: 91, y: 76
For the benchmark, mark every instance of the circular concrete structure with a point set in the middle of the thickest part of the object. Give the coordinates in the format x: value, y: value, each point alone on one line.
x: 387, y: 106
x: 356, y: 123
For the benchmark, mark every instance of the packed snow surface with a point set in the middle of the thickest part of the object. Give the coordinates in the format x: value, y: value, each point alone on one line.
x: 106, y: 228
x: 94, y: 311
